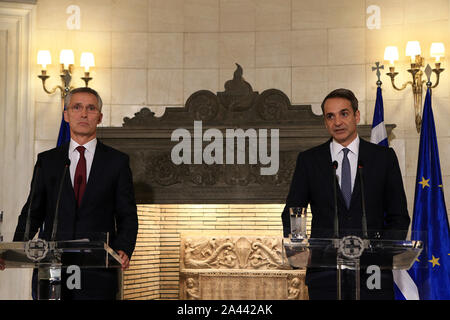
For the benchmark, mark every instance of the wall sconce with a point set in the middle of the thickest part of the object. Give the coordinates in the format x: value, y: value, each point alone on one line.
x: 417, y: 63
x: 87, y: 61
x: 67, y: 61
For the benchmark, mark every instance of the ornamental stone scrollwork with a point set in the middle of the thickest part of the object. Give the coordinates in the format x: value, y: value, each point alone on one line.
x: 272, y: 104
x: 203, y: 105
x: 204, y: 175
x: 163, y: 172
x: 238, y: 95
x: 142, y: 118
x: 267, y: 253
x: 243, y: 251
x: 234, y: 253
x: 238, y: 105
x: 206, y: 254
x: 147, y: 139
x: 240, y: 175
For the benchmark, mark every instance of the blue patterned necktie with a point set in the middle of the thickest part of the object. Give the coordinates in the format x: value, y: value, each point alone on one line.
x: 346, y: 181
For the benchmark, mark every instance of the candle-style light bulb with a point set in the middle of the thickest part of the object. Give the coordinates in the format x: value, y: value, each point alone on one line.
x: 437, y: 51
x: 87, y: 60
x: 44, y: 58
x: 391, y: 54
x: 413, y: 50
x: 66, y: 58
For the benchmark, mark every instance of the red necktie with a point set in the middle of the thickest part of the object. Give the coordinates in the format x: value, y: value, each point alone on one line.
x: 80, y: 176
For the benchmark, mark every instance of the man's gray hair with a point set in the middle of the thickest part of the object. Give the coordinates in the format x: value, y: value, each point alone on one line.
x: 86, y: 90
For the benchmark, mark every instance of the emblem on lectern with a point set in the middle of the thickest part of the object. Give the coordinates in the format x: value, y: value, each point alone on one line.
x: 351, y: 247
x: 36, y: 250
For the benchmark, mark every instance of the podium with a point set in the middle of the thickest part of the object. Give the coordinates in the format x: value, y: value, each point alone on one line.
x: 352, y: 252
x: 52, y: 257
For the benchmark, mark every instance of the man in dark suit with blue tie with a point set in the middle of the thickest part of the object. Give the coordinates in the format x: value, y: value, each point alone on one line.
x: 97, y: 195
x: 312, y: 184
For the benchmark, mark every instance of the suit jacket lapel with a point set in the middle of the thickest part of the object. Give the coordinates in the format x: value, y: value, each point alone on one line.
x: 363, y: 158
x: 96, y: 171
x: 324, y: 160
x: 68, y: 191
x: 67, y: 205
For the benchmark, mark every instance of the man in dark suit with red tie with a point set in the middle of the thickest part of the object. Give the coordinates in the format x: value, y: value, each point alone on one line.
x: 97, y: 196
x: 312, y: 184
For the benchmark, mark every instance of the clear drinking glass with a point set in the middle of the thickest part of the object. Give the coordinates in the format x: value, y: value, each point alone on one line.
x: 298, y: 222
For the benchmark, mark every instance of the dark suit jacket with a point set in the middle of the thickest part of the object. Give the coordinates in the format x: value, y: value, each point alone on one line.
x: 108, y: 203
x: 385, y: 199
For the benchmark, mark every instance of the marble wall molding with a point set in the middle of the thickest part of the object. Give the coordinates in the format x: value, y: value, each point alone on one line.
x: 17, y: 123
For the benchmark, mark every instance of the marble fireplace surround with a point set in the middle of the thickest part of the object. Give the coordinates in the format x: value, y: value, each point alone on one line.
x: 157, y: 180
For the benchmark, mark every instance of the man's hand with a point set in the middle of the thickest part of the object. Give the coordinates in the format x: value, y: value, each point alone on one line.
x: 2, y: 264
x: 125, y: 259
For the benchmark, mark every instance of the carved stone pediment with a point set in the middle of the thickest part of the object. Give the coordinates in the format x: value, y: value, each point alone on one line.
x: 157, y: 179
x: 238, y: 105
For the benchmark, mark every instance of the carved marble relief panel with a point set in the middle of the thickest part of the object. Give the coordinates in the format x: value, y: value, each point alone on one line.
x: 237, y: 267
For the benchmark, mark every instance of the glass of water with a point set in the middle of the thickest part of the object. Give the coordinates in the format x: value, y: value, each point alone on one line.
x: 298, y: 222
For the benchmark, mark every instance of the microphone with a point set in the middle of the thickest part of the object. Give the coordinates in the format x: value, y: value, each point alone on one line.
x: 363, y: 201
x: 55, y: 219
x: 26, y: 235
x: 336, y: 218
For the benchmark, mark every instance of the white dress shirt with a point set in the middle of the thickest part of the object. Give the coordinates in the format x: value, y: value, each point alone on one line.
x: 74, y: 156
x: 337, y: 155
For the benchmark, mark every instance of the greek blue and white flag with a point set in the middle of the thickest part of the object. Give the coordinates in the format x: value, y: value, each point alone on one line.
x: 404, y: 286
x: 379, y: 134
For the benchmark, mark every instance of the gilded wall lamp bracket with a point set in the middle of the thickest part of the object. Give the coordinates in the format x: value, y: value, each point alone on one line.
x: 67, y: 65
x: 417, y: 64
x: 86, y: 79
x: 65, y: 86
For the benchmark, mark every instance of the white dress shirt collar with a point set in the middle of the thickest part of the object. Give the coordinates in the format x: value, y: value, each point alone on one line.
x: 90, y: 146
x: 336, y: 147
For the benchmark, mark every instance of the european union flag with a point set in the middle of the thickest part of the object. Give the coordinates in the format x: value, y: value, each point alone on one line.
x: 64, y: 132
x: 431, y: 273
x: 378, y: 134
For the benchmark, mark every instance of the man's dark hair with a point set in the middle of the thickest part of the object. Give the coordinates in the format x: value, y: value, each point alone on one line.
x: 86, y: 90
x: 342, y: 93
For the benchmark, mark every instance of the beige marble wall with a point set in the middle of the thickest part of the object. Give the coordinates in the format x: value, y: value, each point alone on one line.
x: 157, y: 52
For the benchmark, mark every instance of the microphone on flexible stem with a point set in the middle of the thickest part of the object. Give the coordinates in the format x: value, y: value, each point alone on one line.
x: 26, y: 235
x: 55, y: 219
x: 363, y: 201
x: 336, y: 219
